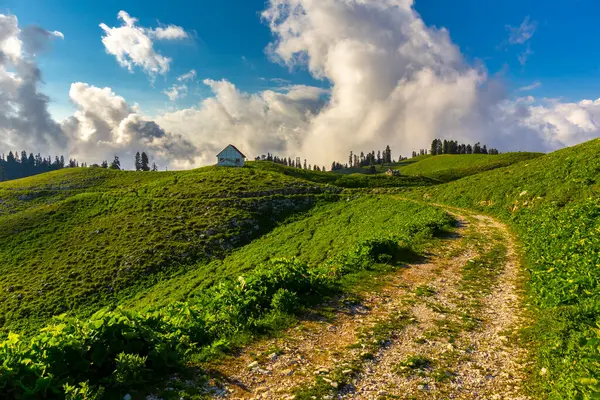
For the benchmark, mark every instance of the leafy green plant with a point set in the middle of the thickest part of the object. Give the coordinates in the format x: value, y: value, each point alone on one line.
x: 130, y: 368
x: 285, y: 301
x: 82, y: 392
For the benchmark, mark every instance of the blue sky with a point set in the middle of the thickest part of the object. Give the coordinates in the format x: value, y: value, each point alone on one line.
x: 229, y: 42
x: 359, y: 75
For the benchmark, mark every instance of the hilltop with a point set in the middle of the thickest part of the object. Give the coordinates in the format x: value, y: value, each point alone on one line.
x: 434, y: 169
x: 449, y: 167
x: 76, y: 239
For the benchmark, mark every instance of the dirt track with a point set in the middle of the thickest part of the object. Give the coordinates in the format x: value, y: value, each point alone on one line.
x: 441, y: 329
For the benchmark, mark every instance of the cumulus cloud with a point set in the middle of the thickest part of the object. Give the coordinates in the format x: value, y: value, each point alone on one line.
x: 106, y: 124
x: 103, y: 125
x: 269, y: 121
x: 133, y: 45
x: 171, y: 32
x: 394, y: 80
x: 24, y: 118
x: 564, y: 124
x: 522, y: 33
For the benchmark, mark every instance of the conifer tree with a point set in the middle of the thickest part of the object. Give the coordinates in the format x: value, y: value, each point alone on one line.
x: 116, y: 164
x: 387, y: 155
x: 138, y: 161
x: 145, y: 164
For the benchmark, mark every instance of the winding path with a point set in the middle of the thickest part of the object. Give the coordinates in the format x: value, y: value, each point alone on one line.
x: 445, y: 328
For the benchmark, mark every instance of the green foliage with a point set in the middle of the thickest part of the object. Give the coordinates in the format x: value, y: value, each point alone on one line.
x: 83, y: 392
x: 285, y: 301
x: 552, y: 202
x: 449, y: 167
x: 130, y: 368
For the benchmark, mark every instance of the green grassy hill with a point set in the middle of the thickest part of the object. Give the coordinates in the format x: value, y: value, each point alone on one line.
x: 352, y: 178
x: 75, y: 239
x: 449, y: 167
x: 183, y: 309
x: 553, y: 203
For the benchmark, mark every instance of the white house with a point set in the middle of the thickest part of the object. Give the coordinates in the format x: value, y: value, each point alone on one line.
x: 230, y: 156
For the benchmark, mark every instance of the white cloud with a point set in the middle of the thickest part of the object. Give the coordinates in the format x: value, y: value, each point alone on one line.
x: 188, y: 76
x: 268, y: 121
x: 171, y: 32
x: 176, y: 92
x: 58, y: 34
x: 105, y: 124
x: 24, y: 118
x: 522, y: 33
x: 132, y: 45
x: 527, y: 88
x: 10, y: 44
x: 394, y: 80
x: 565, y: 124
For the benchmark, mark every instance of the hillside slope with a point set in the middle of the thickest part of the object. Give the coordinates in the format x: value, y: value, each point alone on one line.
x: 449, y: 167
x: 77, y: 239
x: 349, y: 178
x: 198, y: 314
x: 325, y: 232
x: 553, y: 203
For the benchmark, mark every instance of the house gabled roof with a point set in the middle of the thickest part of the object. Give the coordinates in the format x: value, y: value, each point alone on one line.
x: 235, y: 148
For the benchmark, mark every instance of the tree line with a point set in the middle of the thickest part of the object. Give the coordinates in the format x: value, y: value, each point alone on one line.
x: 289, y: 162
x: 366, y: 159
x: 15, y: 165
x: 453, y: 147
x: 20, y: 165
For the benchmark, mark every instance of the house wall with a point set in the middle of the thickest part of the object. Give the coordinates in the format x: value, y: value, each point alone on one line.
x: 228, y: 157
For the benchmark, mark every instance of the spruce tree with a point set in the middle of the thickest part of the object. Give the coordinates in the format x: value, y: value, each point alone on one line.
x: 138, y: 161
x: 145, y: 164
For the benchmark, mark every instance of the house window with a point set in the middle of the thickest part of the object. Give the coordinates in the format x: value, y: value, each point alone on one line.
x: 237, y: 160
